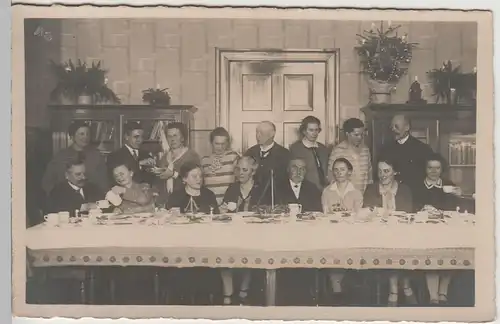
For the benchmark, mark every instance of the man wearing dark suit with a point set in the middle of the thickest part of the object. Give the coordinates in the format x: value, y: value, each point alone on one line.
x: 270, y: 156
x: 132, y: 155
x: 75, y: 193
x: 297, y: 190
x: 408, y: 153
x: 298, y: 284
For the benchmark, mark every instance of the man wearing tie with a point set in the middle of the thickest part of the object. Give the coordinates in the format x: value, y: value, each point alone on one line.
x: 132, y: 155
x: 270, y: 156
x: 298, y: 190
x: 408, y: 153
x: 76, y: 193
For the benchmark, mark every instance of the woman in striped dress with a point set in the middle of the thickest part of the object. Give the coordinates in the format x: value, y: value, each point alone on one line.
x: 218, y: 168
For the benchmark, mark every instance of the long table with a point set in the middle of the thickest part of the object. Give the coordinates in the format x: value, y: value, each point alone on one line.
x: 264, y: 246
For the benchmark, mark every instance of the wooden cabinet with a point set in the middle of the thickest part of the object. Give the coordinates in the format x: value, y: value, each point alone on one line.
x: 107, y: 123
x: 448, y: 129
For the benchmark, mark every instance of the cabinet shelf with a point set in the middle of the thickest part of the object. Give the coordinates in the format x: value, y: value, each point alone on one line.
x: 462, y: 165
x: 108, y: 123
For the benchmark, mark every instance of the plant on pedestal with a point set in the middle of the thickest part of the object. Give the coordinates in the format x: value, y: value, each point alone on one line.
x: 384, y: 58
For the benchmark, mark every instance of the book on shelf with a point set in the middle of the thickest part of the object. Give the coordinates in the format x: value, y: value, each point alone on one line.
x: 462, y: 150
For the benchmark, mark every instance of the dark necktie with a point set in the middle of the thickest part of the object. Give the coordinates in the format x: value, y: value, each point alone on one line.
x: 264, y: 154
x: 135, y: 155
x: 79, y: 191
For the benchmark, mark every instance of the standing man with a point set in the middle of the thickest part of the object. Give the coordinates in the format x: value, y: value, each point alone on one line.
x: 356, y: 152
x: 314, y: 154
x: 270, y: 156
x: 408, y: 153
x: 132, y: 155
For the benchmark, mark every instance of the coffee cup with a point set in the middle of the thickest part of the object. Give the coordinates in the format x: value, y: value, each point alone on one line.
x: 175, y: 211
x: 51, y: 219
x: 113, y: 198
x: 63, y: 217
x: 294, y: 209
x: 103, y: 204
x: 448, y: 189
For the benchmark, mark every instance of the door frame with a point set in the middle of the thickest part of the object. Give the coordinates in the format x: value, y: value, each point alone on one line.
x: 331, y: 57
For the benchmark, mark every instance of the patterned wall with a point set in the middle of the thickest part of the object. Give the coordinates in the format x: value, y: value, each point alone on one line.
x: 180, y: 55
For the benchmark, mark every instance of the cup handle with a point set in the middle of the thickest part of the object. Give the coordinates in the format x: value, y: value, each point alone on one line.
x: 45, y: 217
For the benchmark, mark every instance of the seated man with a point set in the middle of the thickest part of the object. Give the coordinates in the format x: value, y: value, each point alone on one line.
x: 298, y: 190
x: 76, y: 193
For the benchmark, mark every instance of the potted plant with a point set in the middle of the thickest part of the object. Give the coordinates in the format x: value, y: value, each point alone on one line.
x: 385, y: 58
x: 156, y: 97
x: 451, y: 86
x: 81, y: 84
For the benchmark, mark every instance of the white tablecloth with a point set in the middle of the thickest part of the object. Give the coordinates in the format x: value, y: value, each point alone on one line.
x: 268, y: 246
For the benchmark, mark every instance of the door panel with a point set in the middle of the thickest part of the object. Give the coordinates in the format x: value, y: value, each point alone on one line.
x: 283, y: 93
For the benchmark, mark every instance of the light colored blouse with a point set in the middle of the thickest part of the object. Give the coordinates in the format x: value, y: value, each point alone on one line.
x: 351, y: 199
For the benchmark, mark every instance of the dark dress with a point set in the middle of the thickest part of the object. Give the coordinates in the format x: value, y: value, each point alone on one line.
x: 64, y: 198
x: 434, y: 196
x: 309, y: 196
x: 316, y: 162
x: 180, y: 199
x: 409, y: 159
x: 233, y: 194
x: 404, y: 199
x: 124, y: 156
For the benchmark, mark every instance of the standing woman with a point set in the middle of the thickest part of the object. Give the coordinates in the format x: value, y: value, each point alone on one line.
x: 312, y: 152
x: 80, y: 149
x: 389, y: 194
x: 430, y: 195
x: 218, y: 168
x: 171, y: 162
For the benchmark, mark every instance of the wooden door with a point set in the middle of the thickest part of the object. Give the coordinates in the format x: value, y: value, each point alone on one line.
x: 281, y: 92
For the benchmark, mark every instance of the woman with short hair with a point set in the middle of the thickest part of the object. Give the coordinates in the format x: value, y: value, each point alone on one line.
x: 430, y: 195
x: 136, y: 197
x: 390, y: 195
x: 241, y: 196
x: 171, y: 162
x: 218, y: 167
x: 80, y: 149
x: 193, y: 197
x: 314, y: 153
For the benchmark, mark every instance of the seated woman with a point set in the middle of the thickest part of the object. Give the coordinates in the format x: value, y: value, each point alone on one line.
x: 136, y: 198
x: 430, y: 195
x: 193, y: 197
x: 340, y: 193
x: 244, y: 194
x: 241, y: 195
x: 391, y: 195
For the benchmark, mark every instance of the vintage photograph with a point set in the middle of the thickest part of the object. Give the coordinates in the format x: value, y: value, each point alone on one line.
x: 243, y: 162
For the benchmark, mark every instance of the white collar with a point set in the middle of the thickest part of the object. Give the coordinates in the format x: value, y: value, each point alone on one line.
x: 132, y: 150
x: 307, y: 143
x: 74, y: 187
x: 404, y: 139
x: 266, y: 148
x: 293, y: 184
x: 348, y: 188
x: 438, y: 184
